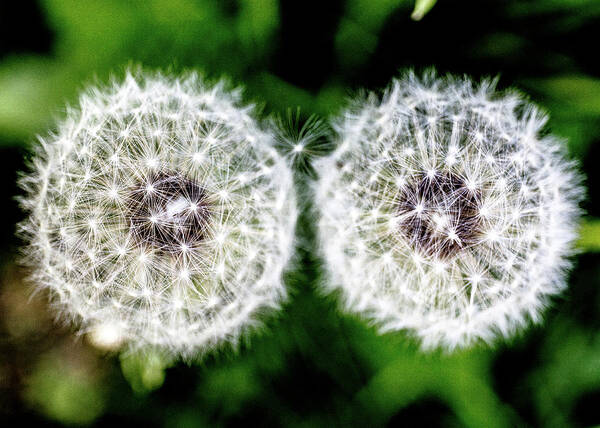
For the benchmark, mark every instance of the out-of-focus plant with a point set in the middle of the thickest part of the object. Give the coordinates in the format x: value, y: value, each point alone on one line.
x: 67, y: 387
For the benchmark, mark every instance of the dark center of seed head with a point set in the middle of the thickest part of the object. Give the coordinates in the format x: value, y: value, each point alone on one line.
x: 439, y: 214
x: 168, y: 212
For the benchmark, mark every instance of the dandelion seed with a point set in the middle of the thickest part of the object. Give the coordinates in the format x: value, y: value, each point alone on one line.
x: 301, y: 143
x: 136, y: 194
x: 484, y: 206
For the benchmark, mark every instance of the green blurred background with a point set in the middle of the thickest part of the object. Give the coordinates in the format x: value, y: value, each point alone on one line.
x: 311, y: 365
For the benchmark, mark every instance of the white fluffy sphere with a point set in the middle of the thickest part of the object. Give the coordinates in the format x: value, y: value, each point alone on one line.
x: 160, y: 212
x: 445, y: 212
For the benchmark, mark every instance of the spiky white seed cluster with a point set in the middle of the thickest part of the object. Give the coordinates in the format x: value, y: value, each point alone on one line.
x: 444, y: 212
x: 160, y: 213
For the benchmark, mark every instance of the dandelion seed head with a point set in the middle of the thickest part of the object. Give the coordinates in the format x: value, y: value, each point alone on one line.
x: 445, y: 212
x: 301, y: 140
x: 131, y: 206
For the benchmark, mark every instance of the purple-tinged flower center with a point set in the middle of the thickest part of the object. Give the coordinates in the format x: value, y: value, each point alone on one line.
x: 169, y: 212
x: 439, y: 213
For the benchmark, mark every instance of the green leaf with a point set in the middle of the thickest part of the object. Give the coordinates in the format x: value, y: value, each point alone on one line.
x: 579, y: 93
x: 358, y: 30
x: 589, y: 235
x: 144, y: 372
x: 422, y: 7
x: 65, y: 392
x: 573, y: 102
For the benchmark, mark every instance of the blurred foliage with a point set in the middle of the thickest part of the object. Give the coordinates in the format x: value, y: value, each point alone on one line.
x: 65, y: 392
x: 421, y: 8
x: 589, y: 239
x: 145, y: 372
x: 312, y: 365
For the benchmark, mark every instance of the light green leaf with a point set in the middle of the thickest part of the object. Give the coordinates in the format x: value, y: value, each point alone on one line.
x: 65, y: 392
x: 579, y: 93
x: 144, y: 372
x: 589, y: 235
x: 422, y: 7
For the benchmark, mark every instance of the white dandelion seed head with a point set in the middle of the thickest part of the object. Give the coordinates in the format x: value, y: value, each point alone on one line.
x: 160, y: 214
x: 301, y: 140
x: 445, y: 212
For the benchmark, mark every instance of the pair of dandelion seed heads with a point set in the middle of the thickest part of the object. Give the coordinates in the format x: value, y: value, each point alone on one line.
x: 161, y: 213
